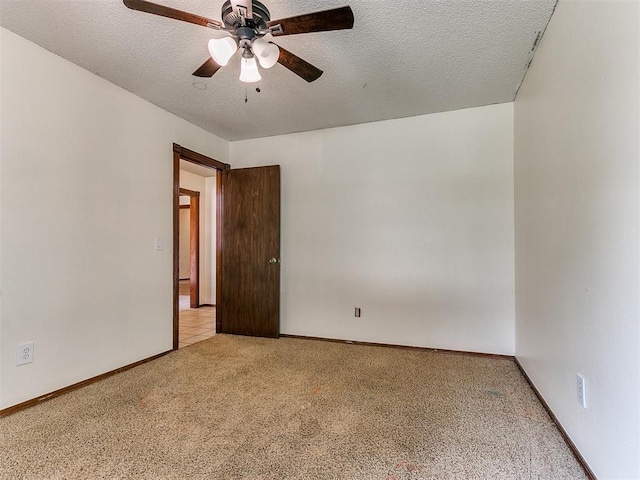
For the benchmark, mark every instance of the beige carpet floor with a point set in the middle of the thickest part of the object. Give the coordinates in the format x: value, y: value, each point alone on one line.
x: 245, y: 408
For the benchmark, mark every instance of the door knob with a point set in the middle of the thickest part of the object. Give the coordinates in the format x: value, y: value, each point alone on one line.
x: 273, y: 260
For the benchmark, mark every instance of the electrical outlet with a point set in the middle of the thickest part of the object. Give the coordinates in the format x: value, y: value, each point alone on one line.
x: 357, y: 311
x: 581, y: 389
x: 24, y: 353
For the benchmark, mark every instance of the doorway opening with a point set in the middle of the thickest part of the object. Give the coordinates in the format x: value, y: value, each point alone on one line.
x: 189, y: 251
x: 196, y: 319
x: 197, y: 218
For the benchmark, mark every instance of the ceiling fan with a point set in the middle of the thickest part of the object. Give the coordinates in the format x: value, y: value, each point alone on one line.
x: 244, y: 24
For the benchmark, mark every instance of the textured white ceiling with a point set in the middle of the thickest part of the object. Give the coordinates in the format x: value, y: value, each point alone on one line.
x: 402, y: 58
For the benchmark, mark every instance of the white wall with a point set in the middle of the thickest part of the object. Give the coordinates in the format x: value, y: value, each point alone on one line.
x: 207, y: 188
x: 86, y: 187
x: 184, y: 257
x: 576, y: 210
x: 410, y: 219
x: 209, y: 211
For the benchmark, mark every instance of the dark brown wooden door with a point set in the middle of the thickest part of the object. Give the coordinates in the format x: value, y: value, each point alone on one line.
x: 250, y: 290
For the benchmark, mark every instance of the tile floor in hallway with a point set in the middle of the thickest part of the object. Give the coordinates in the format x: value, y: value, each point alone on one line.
x: 195, y: 324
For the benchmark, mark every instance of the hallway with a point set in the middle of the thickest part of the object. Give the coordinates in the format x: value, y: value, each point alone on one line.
x: 195, y: 324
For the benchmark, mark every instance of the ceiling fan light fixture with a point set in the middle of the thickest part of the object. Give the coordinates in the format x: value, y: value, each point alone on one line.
x: 266, y: 52
x: 245, y: 23
x: 249, y: 72
x: 222, y: 49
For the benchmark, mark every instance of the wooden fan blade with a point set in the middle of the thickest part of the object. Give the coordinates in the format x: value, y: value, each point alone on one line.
x: 335, y: 19
x: 298, y: 66
x: 207, y: 69
x: 155, y: 9
x: 245, y: 5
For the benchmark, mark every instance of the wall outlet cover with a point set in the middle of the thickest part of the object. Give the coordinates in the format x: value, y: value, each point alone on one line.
x: 24, y: 353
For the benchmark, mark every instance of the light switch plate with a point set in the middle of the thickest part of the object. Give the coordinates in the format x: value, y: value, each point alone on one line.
x: 581, y: 390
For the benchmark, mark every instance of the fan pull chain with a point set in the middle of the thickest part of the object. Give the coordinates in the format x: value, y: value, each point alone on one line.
x: 246, y: 91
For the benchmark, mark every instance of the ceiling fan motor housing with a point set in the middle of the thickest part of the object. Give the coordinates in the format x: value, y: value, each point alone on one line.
x: 258, y: 23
